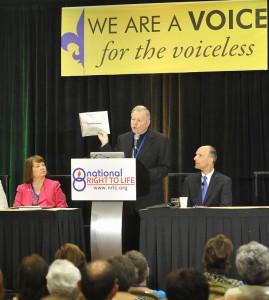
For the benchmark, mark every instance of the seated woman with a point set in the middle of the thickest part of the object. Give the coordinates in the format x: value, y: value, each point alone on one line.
x: 217, y: 260
x: 37, y: 190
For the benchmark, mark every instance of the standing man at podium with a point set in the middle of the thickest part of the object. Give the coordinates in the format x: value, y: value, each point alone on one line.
x: 151, y: 149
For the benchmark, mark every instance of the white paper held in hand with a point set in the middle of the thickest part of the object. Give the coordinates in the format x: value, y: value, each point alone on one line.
x: 92, y: 123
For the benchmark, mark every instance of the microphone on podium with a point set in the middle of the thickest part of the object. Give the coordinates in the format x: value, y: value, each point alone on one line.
x: 136, y: 138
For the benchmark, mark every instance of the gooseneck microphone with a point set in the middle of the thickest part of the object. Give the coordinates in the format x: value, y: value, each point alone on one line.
x: 136, y: 138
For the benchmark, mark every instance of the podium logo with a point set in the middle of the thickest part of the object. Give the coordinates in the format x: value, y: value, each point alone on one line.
x: 79, y: 182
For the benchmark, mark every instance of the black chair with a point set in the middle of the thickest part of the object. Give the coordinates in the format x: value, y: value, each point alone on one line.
x: 262, y: 177
x: 175, y: 184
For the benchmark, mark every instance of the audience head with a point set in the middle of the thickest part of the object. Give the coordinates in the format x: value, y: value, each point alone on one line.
x: 252, y: 263
x: 62, y: 279
x: 1, y: 286
x: 72, y: 253
x: 98, y: 281
x: 186, y: 284
x: 29, y: 164
x: 32, y: 278
x: 125, y: 271
x: 217, y: 254
x: 140, y: 263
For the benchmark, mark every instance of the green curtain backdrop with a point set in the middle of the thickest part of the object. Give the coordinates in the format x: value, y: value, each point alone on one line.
x: 39, y: 108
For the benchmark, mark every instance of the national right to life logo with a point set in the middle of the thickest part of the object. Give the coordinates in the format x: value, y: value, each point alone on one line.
x: 79, y: 179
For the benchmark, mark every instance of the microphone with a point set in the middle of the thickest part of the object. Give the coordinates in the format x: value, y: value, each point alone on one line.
x: 202, y: 184
x: 136, y: 138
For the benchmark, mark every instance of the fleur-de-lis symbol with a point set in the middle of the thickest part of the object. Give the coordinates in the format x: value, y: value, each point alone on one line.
x: 78, y: 39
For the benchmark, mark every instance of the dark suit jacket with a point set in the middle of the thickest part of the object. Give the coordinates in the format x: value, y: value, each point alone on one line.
x: 219, y: 191
x: 155, y: 157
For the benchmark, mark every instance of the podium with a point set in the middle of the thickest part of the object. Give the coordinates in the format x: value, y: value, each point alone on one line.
x: 106, y: 229
x: 111, y: 185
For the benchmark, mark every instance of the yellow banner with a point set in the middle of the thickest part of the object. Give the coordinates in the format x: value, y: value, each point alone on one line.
x: 164, y: 38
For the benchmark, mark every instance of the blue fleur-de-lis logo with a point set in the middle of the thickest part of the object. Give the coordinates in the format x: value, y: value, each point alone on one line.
x: 78, y: 39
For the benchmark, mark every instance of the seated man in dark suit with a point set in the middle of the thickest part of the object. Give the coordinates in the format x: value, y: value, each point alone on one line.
x: 208, y: 187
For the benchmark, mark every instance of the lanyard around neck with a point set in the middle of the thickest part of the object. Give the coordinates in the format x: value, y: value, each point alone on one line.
x: 37, y: 196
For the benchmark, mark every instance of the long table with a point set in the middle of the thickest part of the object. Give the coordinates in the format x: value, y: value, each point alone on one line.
x: 23, y: 232
x: 173, y: 238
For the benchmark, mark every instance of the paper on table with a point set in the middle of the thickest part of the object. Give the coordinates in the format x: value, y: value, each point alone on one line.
x: 93, y: 123
x: 29, y: 207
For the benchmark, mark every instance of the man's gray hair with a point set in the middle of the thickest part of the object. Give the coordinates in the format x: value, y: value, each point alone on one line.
x: 140, y: 262
x: 212, y: 153
x: 142, y: 108
x: 252, y: 263
x: 62, y: 279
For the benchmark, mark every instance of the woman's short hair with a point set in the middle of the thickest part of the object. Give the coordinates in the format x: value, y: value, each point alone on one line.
x: 28, y: 171
x: 72, y: 253
x: 252, y: 263
x: 217, y: 254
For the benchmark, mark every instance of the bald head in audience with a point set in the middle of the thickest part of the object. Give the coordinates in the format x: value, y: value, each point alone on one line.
x: 98, y: 281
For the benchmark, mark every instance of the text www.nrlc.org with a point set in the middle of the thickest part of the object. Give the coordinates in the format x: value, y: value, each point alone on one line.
x: 111, y: 188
